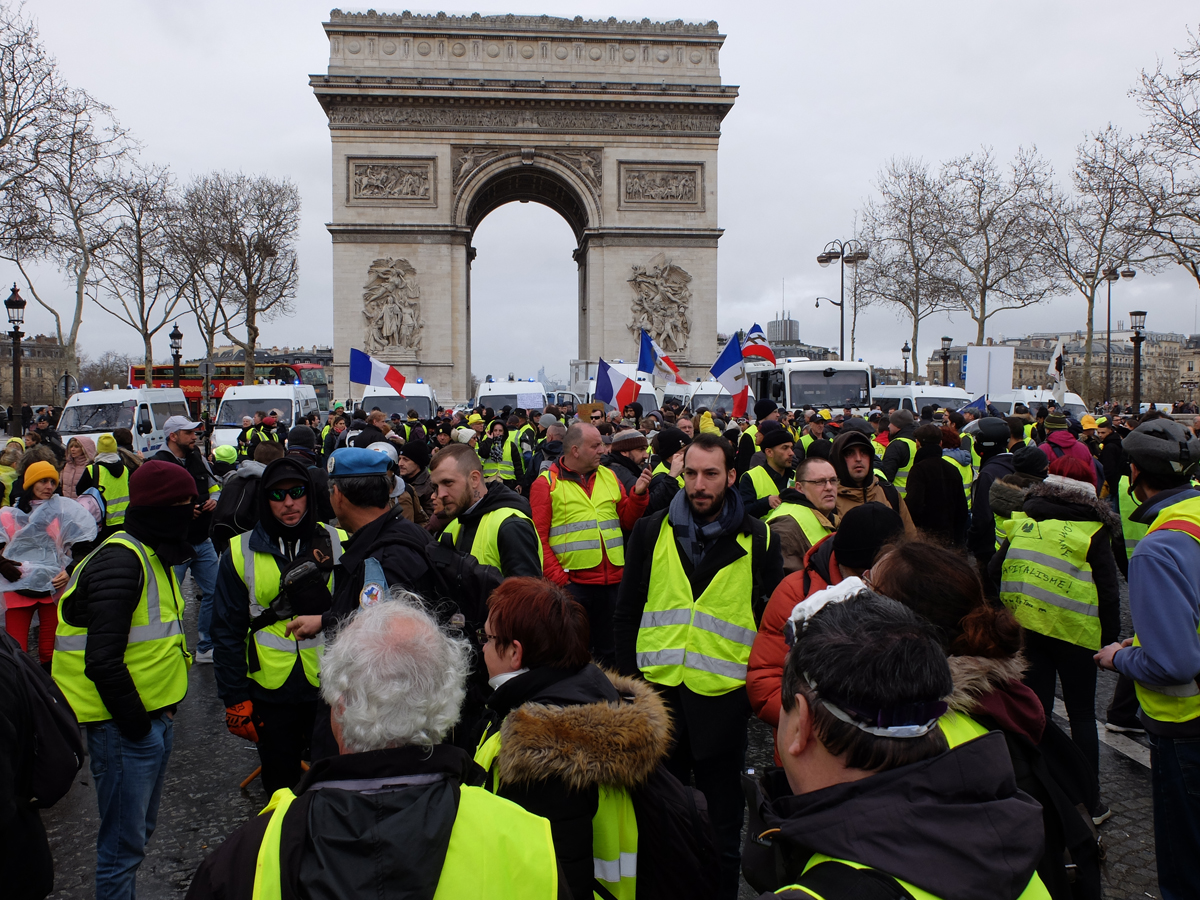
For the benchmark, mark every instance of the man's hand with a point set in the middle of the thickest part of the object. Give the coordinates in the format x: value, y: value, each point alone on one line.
x: 209, y: 506
x: 238, y: 719
x: 1104, y: 659
x: 643, y: 483
x: 676, y: 464
x: 303, y: 627
x: 59, y: 581
x: 774, y: 500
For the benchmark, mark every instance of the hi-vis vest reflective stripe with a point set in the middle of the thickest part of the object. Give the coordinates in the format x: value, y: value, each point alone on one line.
x: 486, y: 545
x: 614, y: 826
x: 1130, y: 530
x: 497, y: 851
x: 156, y: 654
x: 260, y: 433
x: 503, y: 467
x: 966, y: 473
x: 702, y: 642
x: 662, y: 469
x: 900, y: 482
x: 1046, y: 580
x: 115, y: 490
x: 805, y: 518
x: 764, y: 484
x: 1035, y: 890
x: 276, y: 651
x: 1175, y: 702
x: 580, y: 524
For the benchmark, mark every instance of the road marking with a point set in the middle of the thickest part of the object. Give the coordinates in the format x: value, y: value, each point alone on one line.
x: 1125, y: 746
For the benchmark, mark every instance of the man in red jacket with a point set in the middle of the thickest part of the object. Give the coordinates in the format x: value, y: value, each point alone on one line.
x: 580, y: 510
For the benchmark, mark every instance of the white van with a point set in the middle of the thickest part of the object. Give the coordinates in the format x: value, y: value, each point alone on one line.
x: 583, y: 382
x: 418, y: 396
x: 143, y: 411
x: 294, y: 402
x: 1035, y: 397
x: 917, y: 396
x: 711, y: 396
x: 530, y: 395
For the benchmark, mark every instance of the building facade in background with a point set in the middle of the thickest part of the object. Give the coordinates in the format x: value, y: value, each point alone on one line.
x: 42, y: 365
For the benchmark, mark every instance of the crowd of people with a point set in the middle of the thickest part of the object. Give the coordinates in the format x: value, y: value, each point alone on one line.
x: 515, y: 653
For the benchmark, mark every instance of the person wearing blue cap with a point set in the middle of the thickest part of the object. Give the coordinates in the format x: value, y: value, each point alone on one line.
x: 384, y: 551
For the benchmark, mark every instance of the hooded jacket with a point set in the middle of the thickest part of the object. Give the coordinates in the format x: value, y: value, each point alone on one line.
x: 1061, y: 442
x: 955, y: 825
x: 1053, y: 500
x: 73, y: 471
x: 852, y: 494
x: 793, y: 542
x: 563, y: 734
x: 517, y: 539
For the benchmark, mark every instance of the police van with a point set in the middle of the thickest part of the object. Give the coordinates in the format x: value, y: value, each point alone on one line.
x: 293, y: 401
x: 143, y: 411
x: 418, y: 397
x: 712, y: 396
x: 916, y: 397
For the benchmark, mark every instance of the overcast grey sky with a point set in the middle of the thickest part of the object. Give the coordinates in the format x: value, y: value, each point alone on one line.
x: 829, y: 92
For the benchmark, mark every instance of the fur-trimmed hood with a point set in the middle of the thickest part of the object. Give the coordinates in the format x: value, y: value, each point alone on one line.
x: 1006, y: 498
x: 974, y: 676
x: 616, y: 743
x: 992, y: 689
x: 1050, y: 500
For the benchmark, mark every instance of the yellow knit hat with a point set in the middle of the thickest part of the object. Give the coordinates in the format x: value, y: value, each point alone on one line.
x: 106, y: 443
x: 37, y: 472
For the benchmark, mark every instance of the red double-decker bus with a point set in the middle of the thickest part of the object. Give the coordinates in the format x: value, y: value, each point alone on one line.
x: 232, y: 374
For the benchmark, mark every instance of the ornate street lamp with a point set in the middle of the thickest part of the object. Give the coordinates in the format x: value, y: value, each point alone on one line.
x: 176, y: 349
x: 851, y: 253
x: 1137, y: 321
x: 1109, y: 274
x: 15, y: 304
x: 946, y: 342
x: 840, y: 304
x: 905, y: 351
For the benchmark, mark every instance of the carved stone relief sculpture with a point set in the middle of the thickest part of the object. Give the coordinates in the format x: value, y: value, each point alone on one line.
x: 661, y: 301
x: 392, y: 307
x: 392, y: 181
x: 661, y: 186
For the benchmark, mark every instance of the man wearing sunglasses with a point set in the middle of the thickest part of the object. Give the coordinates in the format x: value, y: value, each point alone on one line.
x: 267, y: 679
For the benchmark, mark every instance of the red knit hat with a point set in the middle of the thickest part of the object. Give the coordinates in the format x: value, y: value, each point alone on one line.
x: 160, y: 483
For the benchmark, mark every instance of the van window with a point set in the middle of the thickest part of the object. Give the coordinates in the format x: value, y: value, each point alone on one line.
x: 87, y: 418
x: 144, y: 422
x: 163, y: 410
x: 907, y: 403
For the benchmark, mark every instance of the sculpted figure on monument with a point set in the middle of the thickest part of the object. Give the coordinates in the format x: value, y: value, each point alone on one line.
x: 661, y: 297
x: 392, y: 306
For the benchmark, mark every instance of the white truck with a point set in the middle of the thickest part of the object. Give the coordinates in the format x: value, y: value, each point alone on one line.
x: 293, y: 401
x: 143, y: 411
x: 418, y: 396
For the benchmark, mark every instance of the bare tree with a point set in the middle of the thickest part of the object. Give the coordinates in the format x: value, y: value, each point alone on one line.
x: 905, y: 245
x: 109, y: 368
x: 139, y: 282
x: 992, y: 229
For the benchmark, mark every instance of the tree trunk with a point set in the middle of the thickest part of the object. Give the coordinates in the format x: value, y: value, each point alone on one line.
x: 251, y: 342
x: 149, y: 351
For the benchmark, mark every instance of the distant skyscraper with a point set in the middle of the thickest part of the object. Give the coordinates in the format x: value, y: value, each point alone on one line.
x: 541, y: 376
x: 783, y: 330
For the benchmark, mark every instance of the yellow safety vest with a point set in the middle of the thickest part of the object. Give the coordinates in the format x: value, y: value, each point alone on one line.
x: 966, y: 473
x: 806, y: 441
x: 959, y: 728
x: 900, y: 482
x: 764, y: 484
x: 581, y: 525
x: 497, y: 851
x: 1175, y: 702
x: 662, y: 469
x: 1046, y: 580
x: 1130, y: 530
x: 614, y: 827
x: 703, y: 642
x: 1035, y: 890
x: 260, y: 433
x: 751, y: 432
x: 156, y: 655
x: 485, y: 546
x: 804, y: 516
x: 115, y: 490
x: 502, y: 468
x: 276, y: 651
x: 880, y: 448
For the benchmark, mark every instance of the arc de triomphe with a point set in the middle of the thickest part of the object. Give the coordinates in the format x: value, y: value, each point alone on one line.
x: 437, y: 120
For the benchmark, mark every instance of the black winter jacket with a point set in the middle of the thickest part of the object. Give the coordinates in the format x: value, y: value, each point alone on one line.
x: 754, y: 506
x: 517, y: 541
x: 895, y: 457
x: 626, y: 470
x: 204, y: 478
x: 981, y: 536
x: 935, y: 497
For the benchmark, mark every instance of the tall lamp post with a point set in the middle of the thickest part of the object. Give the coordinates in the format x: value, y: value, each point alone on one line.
x: 1110, y: 275
x: 905, y: 351
x: 15, y: 304
x: 946, y: 342
x: 1137, y: 321
x: 851, y: 253
x: 176, y: 349
x: 840, y: 304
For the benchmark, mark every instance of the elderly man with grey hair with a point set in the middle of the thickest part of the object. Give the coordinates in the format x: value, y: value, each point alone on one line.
x: 391, y: 814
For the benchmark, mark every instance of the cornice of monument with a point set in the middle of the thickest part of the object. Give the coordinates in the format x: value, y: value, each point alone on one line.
x: 522, y: 24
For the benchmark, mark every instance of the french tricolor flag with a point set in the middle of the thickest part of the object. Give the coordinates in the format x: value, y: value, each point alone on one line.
x: 365, y: 369
x: 756, y: 345
x: 653, y: 361
x: 614, y: 388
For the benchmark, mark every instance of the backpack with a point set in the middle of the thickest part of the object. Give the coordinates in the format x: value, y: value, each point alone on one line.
x: 57, y: 744
x: 236, y: 512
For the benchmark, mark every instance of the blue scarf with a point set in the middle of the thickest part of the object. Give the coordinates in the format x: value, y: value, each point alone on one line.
x: 697, y: 539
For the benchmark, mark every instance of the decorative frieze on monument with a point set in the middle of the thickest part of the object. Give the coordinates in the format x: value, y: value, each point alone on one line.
x: 433, y: 118
x: 467, y: 159
x: 587, y: 162
x: 392, y: 309
x: 661, y: 301
x: 392, y: 181
x: 661, y: 185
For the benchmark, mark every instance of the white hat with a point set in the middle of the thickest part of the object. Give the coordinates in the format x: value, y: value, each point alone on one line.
x: 178, y: 423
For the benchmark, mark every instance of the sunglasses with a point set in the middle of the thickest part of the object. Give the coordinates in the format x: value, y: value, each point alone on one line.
x: 294, y: 492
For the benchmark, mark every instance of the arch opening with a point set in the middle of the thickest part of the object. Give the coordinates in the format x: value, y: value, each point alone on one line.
x: 526, y: 184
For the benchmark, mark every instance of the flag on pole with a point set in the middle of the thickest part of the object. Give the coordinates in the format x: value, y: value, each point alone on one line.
x: 614, y: 388
x: 365, y: 369
x: 1057, y: 371
x: 756, y: 345
x: 652, y: 361
x: 730, y: 372
x: 979, y: 404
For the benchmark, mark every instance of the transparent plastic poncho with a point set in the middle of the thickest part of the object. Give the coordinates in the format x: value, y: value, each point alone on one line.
x: 41, y: 541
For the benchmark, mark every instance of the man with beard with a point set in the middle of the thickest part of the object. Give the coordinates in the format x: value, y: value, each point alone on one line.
x: 697, y: 578
x: 125, y: 681
x: 853, y: 460
x: 627, y: 456
x: 489, y: 521
x: 267, y: 680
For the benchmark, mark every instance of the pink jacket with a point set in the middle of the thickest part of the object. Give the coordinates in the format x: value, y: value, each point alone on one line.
x: 1063, y: 443
x: 72, y: 471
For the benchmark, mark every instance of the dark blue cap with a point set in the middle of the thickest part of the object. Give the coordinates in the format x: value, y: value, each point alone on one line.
x: 353, y: 461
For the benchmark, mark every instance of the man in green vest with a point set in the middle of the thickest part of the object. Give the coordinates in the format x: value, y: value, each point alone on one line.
x: 806, y: 513
x: 266, y: 679
x: 109, y: 474
x: 392, y: 814
x: 901, y: 450
x: 489, y: 521
x: 870, y: 803
x: 121, y: 660
x: 761, y: 486
x: 697, y: 580
x: 1163, y: 658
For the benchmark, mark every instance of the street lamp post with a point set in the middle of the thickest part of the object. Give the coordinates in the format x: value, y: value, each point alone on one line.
x: 946, y: 342
x: 1110, y: 274
x: 176, y: 349
x: 1137, y: 321
x: 851, y: 253
x: 15, y: 304
x: 905, y: 351
x: 840, y: 304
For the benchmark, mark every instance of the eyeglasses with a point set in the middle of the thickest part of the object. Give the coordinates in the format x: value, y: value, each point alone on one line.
x: 294, y: 492
x: 824, y: 482
x: 597, y: 416
x: 483, y: 637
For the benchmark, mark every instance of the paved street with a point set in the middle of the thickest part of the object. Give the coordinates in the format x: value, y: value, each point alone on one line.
x: 202, y: 803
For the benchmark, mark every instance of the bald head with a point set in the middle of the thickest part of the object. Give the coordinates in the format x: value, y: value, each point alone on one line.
x: 581, y: 448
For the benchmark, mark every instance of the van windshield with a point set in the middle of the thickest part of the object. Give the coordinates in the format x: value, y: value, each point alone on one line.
x: 399, y: 405
x: 96, y: 417
x: 231, y: 411
x: 838, y: 389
